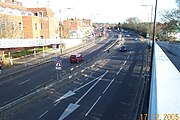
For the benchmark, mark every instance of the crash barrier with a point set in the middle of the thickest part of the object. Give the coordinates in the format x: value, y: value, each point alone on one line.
x: 164, y: 101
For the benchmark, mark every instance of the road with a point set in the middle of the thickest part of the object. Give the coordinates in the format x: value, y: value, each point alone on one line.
x: 107, y: 87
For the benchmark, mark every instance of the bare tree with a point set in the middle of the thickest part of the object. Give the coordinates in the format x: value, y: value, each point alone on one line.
x: 10, y: 27
x: 172, y: 17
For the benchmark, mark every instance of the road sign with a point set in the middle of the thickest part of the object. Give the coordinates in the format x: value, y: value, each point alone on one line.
x: 58, y: 65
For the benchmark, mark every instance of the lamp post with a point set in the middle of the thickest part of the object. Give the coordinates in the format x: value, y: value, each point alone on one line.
x: 151, y: 17
x: 152, y: 52
x: 148, y: 36
x: 60, y: 13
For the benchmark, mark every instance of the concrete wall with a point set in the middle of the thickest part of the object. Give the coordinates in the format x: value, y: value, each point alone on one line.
x: 165, y: 87
x: 71, y: 42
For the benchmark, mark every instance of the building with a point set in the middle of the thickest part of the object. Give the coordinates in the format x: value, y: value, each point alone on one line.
x: 42, y: 25
x: 27, y: 23
x: 11, y: 24
x: 77, y: 28
x: 18, y: 22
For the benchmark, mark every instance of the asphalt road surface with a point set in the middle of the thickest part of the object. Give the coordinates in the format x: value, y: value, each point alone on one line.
x: 106, y: 88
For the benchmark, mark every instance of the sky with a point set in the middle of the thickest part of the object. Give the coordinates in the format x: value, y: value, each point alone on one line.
x: 112, y: 11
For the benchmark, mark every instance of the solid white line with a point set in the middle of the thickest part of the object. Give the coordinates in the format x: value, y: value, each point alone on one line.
x: 91, y: 87
x: 119, y: 71
x: 125, y: 62
x: 93, y: 106
x: 86, y: 84
x: 43, y: 114
x: 108, y: 86
x: 56, y: 103
x: 24, y: 82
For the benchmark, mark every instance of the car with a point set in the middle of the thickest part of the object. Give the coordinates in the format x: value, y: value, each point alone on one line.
x: 76, y: 58
x: 123, y: 48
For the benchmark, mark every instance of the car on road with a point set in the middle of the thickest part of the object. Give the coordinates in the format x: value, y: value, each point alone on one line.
x: 76, y: 58
x: 123, y: 48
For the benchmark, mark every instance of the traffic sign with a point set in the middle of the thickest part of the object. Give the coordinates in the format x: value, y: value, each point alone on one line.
x: 58, y: 65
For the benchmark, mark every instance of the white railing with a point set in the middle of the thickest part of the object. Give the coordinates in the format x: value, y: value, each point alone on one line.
x: 164, y: 102
x: 14, y: 43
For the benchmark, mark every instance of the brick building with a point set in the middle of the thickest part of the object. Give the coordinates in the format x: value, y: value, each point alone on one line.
x: 43, y: 24
x: 79, y: 27
x: 19, y: 22
x: 11, y: 24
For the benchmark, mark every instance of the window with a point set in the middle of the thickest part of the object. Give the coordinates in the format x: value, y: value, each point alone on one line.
x: 36, y: 14
x: 3, y: 26
x: 12, y: 25
x: 36, y: 27
x: 41, y: 26
x: 70, y: 24
x: 40, y: 14
x: 20, y: 26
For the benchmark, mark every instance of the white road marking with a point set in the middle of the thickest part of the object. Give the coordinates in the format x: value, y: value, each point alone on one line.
x: 91, y: 87
x: 72, y: 107
x: 119, y: 71
x: 128, y: 57
x: 24, y: 81
x: 108, y: 86
x: 70, y: 93
x: 125, y: 62
x: 93, y: 106
x: 70, y: 77
x: 43, y: 114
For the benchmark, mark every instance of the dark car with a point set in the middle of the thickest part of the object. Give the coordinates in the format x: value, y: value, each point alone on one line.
x: 123, y: 48
x: 76, y: 58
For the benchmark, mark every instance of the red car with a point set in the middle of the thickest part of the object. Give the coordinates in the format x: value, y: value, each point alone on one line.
x: 76, y: 58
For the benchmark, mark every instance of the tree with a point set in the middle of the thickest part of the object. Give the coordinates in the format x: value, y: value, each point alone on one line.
x: 10, y: 27
x: 172, y: 17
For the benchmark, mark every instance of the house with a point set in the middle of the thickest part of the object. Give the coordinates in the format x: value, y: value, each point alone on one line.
x: 77, y: 28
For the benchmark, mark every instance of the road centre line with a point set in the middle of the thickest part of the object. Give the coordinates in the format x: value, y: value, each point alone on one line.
x: 24, y: 81
x: 125, y: 62
x: 108, y: 86
x: 43, y: 114
x: 93, y: 106
x: 119, y: 71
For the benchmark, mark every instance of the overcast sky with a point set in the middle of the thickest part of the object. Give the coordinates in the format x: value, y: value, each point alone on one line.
x: 113, y: 11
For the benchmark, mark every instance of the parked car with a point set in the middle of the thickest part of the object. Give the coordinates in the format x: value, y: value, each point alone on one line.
x: 76, y: 58
x: 123, y: 48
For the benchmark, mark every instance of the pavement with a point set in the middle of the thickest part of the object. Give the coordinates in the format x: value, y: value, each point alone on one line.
x: 30, y: 61
x: 173, y: 58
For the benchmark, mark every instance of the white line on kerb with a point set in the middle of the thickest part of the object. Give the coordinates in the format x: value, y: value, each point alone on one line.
x: 108, y: 86
x: 43, y: 114
x: 24, y: 81
x: 93, y: 106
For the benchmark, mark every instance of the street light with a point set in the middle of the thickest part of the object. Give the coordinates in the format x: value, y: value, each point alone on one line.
x: 151, y: 17
x: 148, y: 36
x: 60, y: 13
